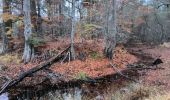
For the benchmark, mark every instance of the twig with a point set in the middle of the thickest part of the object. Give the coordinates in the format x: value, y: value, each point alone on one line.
x: 5, y: 86
x: 152, y: 68
x: 65, y: 57
x: 119, y: 72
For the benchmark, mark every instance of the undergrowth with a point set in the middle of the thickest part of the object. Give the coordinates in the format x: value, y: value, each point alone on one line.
x: 140, y: 92
x: 81, y: 76
x: 36, y: 41
x: 9, y: 58
x: 95, y: 55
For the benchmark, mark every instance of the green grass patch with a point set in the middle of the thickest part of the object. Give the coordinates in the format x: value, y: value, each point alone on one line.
x: 81, y: 76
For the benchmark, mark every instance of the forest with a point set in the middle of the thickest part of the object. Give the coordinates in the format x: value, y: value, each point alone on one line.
x: 84, y: 49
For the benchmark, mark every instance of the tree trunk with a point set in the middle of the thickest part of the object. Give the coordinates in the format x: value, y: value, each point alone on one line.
x: 33, y: 15
x: 27, y: 32
x: 110, y: 28
x: 49, y: 9
x: 4, y: 40
x: 8, y: 23
x: 61, y: 5
x: 39, y: 19
x: 73, y: 19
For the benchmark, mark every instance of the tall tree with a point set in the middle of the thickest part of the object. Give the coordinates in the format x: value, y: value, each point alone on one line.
x: 28, y: 50
x: 73, y: 20
x: 6, y: 24
x: 33, y: 15
x: 39, y: 19
x: 4, y: 39
x: 61, y: 6
x: 110, y: 28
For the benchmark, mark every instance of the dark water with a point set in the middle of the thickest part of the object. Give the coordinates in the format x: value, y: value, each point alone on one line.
x: 107, y: 89
x: 4, y: 96
x: 104, y: 91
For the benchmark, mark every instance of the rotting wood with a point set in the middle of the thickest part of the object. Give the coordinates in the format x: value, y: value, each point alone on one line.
x: 46, y: 64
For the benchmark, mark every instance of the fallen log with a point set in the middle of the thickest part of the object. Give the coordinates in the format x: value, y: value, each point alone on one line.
x: 37, y: 68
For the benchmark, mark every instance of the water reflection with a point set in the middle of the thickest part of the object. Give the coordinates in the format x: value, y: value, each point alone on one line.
x: 103, y: 90
x: 4, y: 96
x: 84, y: 92
x: 72, y: 94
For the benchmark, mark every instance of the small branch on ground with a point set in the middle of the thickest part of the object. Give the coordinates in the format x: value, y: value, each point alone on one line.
x: 120, y: 73
x: 5, y: 86
x: 151, y: 68
x: 67, y: 55
x: 142, y: 67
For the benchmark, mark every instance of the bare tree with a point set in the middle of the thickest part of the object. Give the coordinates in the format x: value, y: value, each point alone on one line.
x: 4, y: 39
x: 39, y: 19
x: 73, y: 29
x: 110, y: 28
x: 4, y: 25
x: 28, y: 50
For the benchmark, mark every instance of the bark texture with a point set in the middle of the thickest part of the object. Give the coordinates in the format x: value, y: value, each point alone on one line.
x: 27, y: 32
x: 8, y: 23
x: 110, y: 28
x: 73, y: 29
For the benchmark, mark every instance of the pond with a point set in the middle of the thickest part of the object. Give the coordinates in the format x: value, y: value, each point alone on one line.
x: 110, y: 87
x: 111, y: 90
x: 4, y: 96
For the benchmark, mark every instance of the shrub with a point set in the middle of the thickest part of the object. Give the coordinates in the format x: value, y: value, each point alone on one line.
x: 81, y: 76
x: 36, y: 41
x: 91, y: 30
x: 7, y: 58
x: 95, y: 55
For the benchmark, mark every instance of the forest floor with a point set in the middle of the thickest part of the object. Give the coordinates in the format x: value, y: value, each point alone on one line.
x: 159, y: 77
x: 94, y: 64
